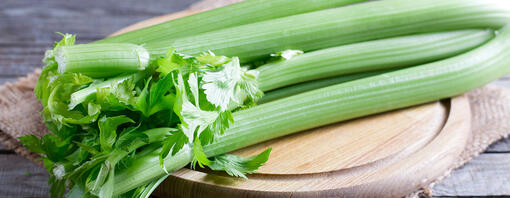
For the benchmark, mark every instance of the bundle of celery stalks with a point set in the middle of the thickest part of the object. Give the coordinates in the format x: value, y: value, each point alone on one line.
x: 126, y: 111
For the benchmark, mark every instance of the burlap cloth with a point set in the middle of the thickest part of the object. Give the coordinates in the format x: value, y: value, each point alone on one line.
x: 20, y: 113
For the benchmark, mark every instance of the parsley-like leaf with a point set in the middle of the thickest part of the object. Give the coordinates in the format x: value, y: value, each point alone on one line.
x: 199, y: 155
x: 155, y: 99
x: 220, y: 85
x: 128, y: 138
x: 32, y: 143
x: 192, y: 117
x: 168, y: 63
x: 229, y: 87
x: 218, y: 127
x: 211, y: 59
x: 58, y: 187
x: 108, y: 130
x: 172, y: 144
x: 239, y: 166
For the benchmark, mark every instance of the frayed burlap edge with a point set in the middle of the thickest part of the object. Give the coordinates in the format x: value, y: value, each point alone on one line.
x: 20, y: 114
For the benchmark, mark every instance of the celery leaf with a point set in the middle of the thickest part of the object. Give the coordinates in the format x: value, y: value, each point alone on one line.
x: 108, y: 130
x: 199, y: 156
x: 213, y: 60
x: 239, y: 166
x: 172, y: 144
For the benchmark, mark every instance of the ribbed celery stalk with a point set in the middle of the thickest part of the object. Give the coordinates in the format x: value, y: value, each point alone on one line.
x: 102, y: 60
x: 366, y: 56
x: 315, y: 84
x: 246, y: 12
x: 344, y: 25
x: 394, y: 90
x: 371, y: 55
x: 89, y: 92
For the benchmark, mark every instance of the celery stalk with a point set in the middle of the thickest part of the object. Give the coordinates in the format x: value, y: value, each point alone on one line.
x: 339, y: 26
x: 102, y: 60
x: 369, y: 56
x: 246, y: 12
x: 394, y: 90
x: 312, y: 85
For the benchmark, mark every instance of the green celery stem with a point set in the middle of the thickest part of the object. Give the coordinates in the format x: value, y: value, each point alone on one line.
x: 369, y: 56
x: 394, y: 90
x: 242, y: 13
x: 316, y: 84
x: 90, y: 92
x: 340, y: 26
x: 338, y: 61
x: 102, y: 60
x: 154, y: 135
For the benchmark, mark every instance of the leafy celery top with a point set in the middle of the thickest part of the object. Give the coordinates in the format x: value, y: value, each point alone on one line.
x: 100, y: 126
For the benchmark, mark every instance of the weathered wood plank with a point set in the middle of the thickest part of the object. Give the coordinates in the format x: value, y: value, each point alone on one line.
x: 22, y: 22
x: 505, y: 82
x: 502, y: 146
x: 3, y: 80
x: 22, y: 178
x: 26, y: 31
x: 486, y: 175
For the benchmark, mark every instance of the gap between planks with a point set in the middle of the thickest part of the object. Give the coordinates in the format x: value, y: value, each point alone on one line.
x: 4, y: 80
x: 22, y: 178
x: 502, y: 146
x: 3, y: 148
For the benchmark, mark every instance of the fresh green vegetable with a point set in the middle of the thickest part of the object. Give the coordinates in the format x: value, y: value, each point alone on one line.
x: 365, y: 56
x: 123, y: 116
x: 339, y: 26
x: 178, y: 102
x: 369, y: 56
x: 233, y: 15
x: 89, y: 92
x: 101, y: 60
x: 393, y: 52
x: 316, y: 84
x: 394, y: 90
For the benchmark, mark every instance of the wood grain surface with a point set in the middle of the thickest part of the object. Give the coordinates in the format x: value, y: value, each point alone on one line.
x: 27, y: 28
x: 317, y: 151
x: 417, y: 163
x: 21, y: 178
x: 489, y: 172
x: 502, y: 146
x: 3, y: 148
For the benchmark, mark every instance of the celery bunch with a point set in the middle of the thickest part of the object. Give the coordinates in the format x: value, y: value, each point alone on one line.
x: 123, y: 116
x: 178, y: 100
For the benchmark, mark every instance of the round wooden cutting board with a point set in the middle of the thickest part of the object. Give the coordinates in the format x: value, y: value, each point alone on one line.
x: 385, y: 155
